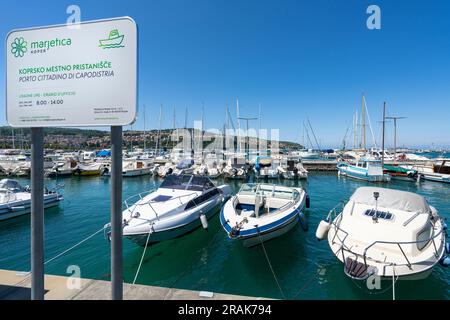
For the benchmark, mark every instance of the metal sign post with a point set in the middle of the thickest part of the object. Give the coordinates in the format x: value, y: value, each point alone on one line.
x: 51, y: 72
x: 37, y: 214
x: 116, y: 213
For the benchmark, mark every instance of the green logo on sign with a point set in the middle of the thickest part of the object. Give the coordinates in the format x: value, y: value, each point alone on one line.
x: 18, y: 47
x: 114, y: 40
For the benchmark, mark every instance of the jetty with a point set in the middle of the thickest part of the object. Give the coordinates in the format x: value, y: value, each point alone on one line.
x: 15, y: 285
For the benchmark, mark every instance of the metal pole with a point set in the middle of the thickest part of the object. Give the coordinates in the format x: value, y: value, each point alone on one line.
x: 382, y: 142
x: 395, y: 137
x: 116, y: 213
x: 37, y: 214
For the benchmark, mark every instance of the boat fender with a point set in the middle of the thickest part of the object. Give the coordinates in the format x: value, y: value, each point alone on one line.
x: 447, y: 248
x: 303, y: 221
x: 204, y: 221
x: 308, y: 202
x: 322, y: 230
x: 445, y: 261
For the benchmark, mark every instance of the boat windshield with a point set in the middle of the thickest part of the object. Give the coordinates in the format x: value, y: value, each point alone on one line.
x: 9, y: 184
x: 187, y: 182
x: 272, y: 191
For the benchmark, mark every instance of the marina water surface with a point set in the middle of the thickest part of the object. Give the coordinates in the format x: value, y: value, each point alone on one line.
x: 207, y: 260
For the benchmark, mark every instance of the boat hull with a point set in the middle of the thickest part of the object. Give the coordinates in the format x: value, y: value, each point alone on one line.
x: 254, y: 240
x: 8, y: 211
x: 172, y: 233
x: 343, y: 171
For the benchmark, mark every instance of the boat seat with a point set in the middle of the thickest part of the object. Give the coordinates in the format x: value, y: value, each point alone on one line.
x: 247, y: 213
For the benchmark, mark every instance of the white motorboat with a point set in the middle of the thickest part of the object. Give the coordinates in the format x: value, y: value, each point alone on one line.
x: 260, y: 212
x: 134, y: 168
x: 266, y: 168
x: 308, y: 154
x: 437, y: 171
x: 62, y: 168
x: 184, y: 166
x: 90, y: 169
x: 210, y: 167
x: 292, y: 170
x: 236, y: 168
x: 367, y: 170
x: 164, y: 170
x: 386, y: 233
x: 181, y: 204
x: 15, y: 200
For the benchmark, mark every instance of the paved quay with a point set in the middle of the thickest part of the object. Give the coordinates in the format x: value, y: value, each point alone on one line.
x: 15, y: 285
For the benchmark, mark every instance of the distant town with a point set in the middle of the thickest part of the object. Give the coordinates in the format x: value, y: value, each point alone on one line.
x: 87, y: 139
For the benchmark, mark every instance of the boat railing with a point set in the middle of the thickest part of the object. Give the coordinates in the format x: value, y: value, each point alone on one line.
x: 400, y: 243
x: 142, y: 195
x: 331, y: 219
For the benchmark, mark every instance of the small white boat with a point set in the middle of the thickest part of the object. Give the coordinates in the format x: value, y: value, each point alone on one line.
x: 184, y: 166
x: 367, y: 170
x: 15, y: 200
x: 386, y: 233
x: 266, y: 168
x: 292, y: 170
x: 134, y: 168
x: 438, y: 171
x: 236, y: 168
x: 181, y: 204
x: 89, y: 169
x: 308, y: 154
x: 164, y: 170
x: 62, y: 168
x: 260, y: 212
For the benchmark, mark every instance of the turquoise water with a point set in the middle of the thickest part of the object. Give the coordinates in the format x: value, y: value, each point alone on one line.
x: 208, y: 260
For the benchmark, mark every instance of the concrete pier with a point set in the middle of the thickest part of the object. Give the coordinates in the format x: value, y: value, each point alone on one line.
x: 15, y: 285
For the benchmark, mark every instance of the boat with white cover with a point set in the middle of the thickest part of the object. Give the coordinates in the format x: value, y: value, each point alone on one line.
x: 181, y: 204
x: 260, y: 212
x: 15, y: 200
x: 387, y: 233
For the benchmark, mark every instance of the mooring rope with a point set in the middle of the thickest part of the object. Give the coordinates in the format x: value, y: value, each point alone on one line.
x: 143, y: 255
x: 75, y: 245
x: 186, y: 269
x: 270, y: 265
x: 28, y: 274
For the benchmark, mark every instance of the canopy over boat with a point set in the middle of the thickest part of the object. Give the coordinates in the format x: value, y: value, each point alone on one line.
x: 10, y: 184
x: 392, y: 199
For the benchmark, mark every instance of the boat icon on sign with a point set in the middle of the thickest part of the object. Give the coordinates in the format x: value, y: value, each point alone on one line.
x: 114, y: 40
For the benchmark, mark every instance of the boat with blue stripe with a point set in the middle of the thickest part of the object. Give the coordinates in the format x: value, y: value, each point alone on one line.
x: 260, y: 212
x: 367, y: 170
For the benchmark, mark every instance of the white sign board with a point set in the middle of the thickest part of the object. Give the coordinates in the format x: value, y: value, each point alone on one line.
x: 66, y: 76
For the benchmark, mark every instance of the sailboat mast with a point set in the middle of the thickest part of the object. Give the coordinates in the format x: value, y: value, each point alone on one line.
x: 382, y: 140
x: 144, y: 130
x: 174, y: 126
x: 259, y: 129
x: 363, y: 123
x: 238, y: 125
x: 159, y: 129
x: 201, y: 129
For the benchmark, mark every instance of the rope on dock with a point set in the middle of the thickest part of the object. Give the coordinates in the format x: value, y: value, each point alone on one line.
x: 270, y: 265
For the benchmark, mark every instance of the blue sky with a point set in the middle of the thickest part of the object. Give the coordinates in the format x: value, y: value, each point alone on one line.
x: 299, y: 59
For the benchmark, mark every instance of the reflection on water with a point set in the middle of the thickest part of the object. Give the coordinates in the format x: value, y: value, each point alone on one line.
x: 208, y: 260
